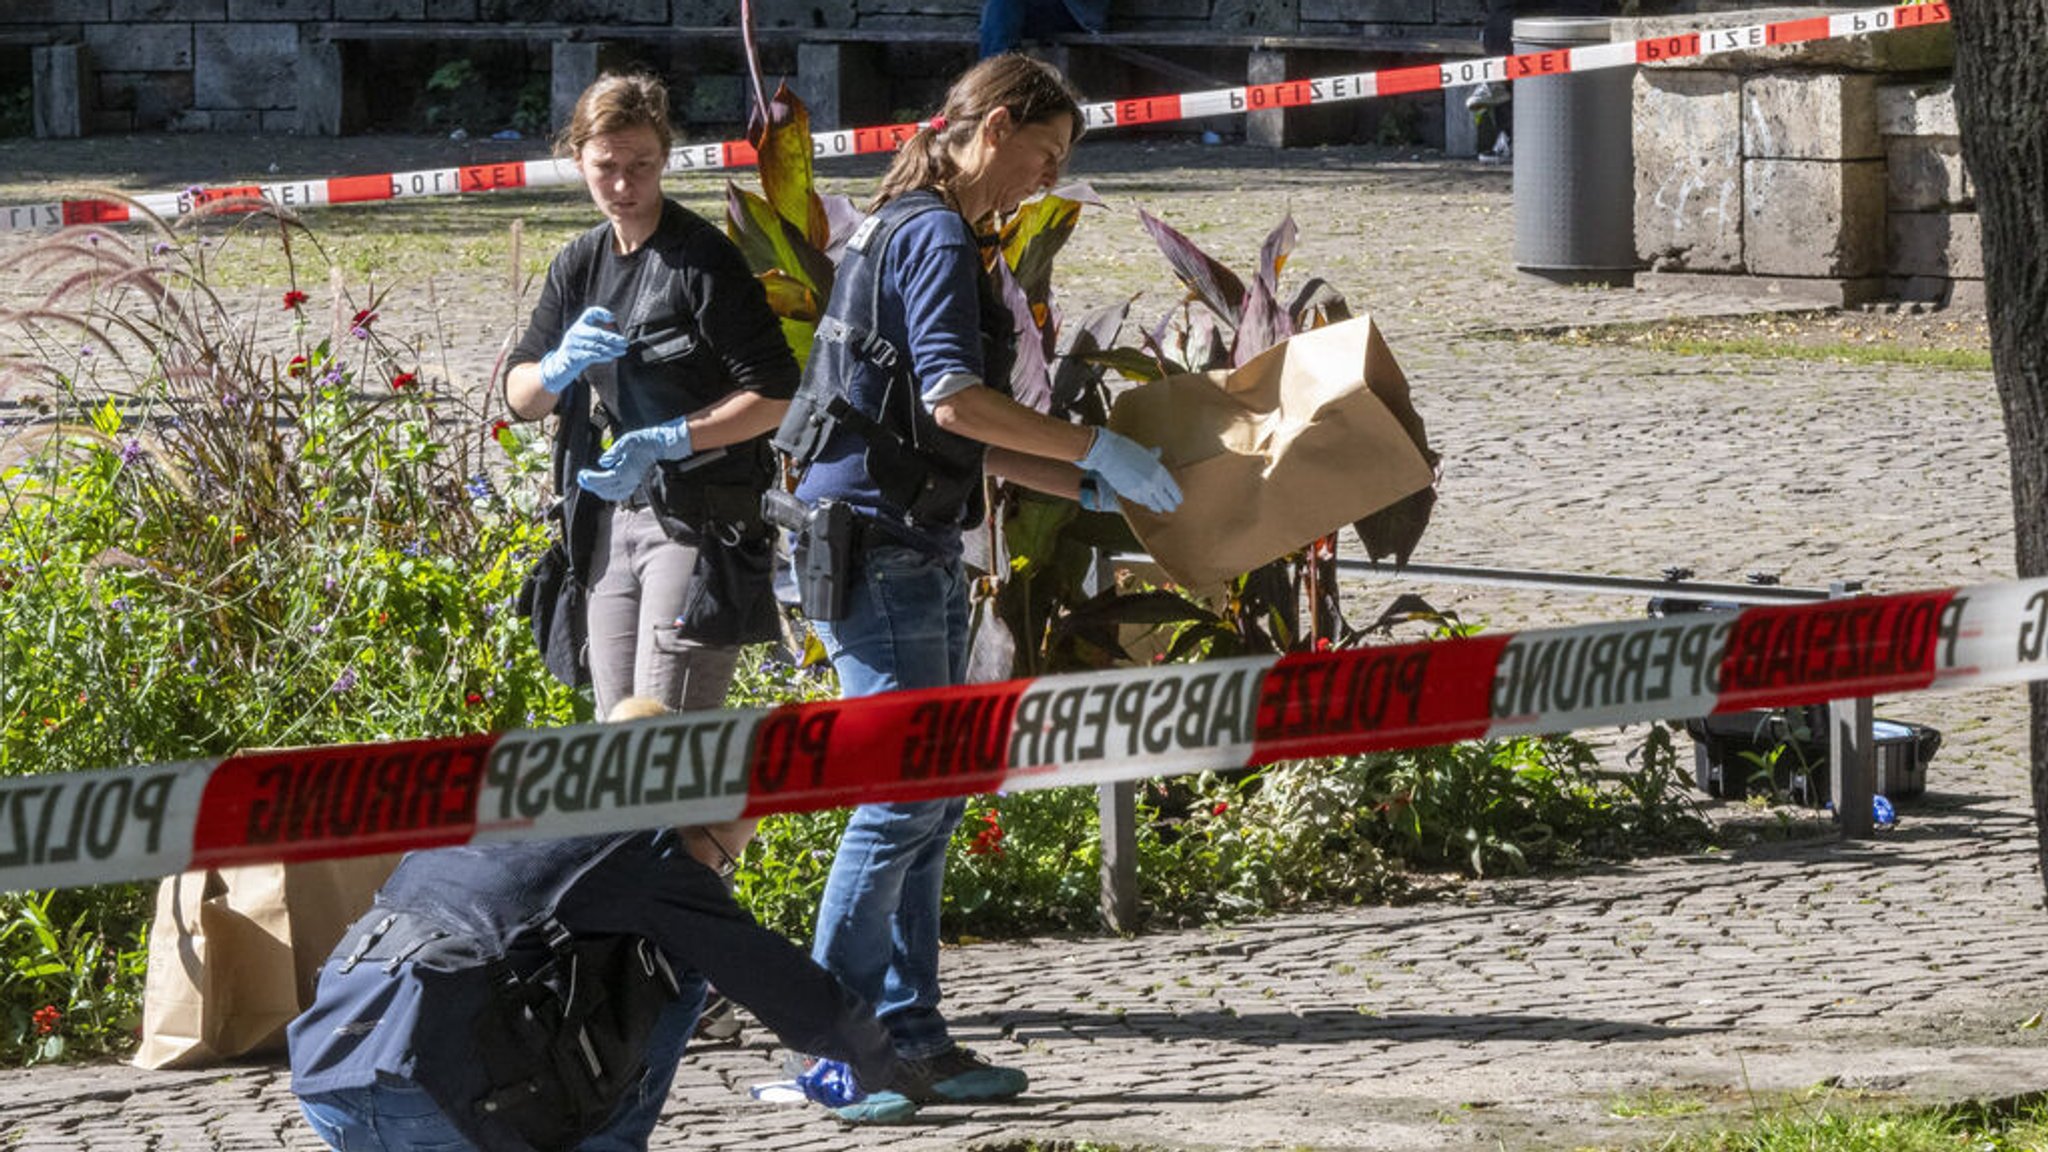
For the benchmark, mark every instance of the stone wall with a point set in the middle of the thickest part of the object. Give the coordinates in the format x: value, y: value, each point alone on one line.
x: 233, y: 65
x: 1830, y: 171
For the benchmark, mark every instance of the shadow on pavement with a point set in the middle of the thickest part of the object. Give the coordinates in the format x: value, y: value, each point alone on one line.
x: 1337, y: 1026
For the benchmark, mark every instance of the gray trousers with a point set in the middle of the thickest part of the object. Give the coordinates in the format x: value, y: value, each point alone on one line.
x: 637, y: 588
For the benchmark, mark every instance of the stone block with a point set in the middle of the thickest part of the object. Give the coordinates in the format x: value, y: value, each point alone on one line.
x: 60, y: 76
x: 143, y: 48
x: 244, y: 65
x: 1938, y: 290
x: 843, y: 85
x: 321, y: 91
x: 243, y: 121
x: 717, y: 98
x: 110, y: 122
x: 1460, y: 11
x: 1949, y: 244
x: 706, y: 13
x: 191, y: 120
x: 572, y: 67
x: 1357, y: 11
x: 1926, y: 172
x: 57, y: 11
x: 280, y: 9
x: 451, y: 9
x: 280, y: 123
x: 1810, y: 116
x: 1925, y: 49
x: 812, y: 14
x: 1917, y: 109
x: 380, y: 9
x: 156, y: 98
x: 1813, y: 217
x: 157, y: 11
x: 1256, y: 15
x: 1803, y: 291
x: 1688, y: 171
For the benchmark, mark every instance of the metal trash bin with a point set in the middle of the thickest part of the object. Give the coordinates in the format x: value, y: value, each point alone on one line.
x: 1574, y: 184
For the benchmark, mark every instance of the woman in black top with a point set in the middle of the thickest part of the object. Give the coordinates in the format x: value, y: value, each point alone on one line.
x: 655, y: 314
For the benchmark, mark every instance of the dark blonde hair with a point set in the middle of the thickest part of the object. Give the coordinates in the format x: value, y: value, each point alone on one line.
x: 618, y: 102
x: 1032, y: 90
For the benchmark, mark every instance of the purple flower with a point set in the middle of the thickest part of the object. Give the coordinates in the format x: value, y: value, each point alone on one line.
x: 345, y: 682
x: 118, y: 604
x: 359, y: 332
x: 327, y: 583
x: 413, y: 548
x: 317, y: 629
x: 479, y: 487
x: 330, y: 378
x: 229, y: 399
x: 131, y: 452
x: 85, y: 350
x: 162, y: 246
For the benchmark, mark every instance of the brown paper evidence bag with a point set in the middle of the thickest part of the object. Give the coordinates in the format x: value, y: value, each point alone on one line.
x: 1312, y: 434
x: 234, y: 954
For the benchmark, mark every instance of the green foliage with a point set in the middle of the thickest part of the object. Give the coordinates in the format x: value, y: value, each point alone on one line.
x: 1835, y: 1122
x: 235, y: 528
x: 70, y: 982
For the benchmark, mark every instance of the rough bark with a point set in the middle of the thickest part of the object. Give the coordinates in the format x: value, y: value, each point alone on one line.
x: 2002, y: 100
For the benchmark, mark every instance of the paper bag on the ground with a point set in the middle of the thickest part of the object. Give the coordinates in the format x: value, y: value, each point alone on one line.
x: 1312, y: 434
x: 234, y: 954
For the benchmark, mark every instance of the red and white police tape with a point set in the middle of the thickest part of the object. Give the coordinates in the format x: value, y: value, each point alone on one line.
x: 1055, y: 731
x: 551, y: 173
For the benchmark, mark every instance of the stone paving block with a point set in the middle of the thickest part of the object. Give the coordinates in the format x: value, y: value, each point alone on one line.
x: 280, y: 9
x: 380, y: 9
x: 1810, y: 116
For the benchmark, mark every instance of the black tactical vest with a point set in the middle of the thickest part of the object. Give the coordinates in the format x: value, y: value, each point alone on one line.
x: 933, y: 474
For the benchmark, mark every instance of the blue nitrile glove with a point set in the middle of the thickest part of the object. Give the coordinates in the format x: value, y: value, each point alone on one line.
x: 831, y: 1083
x: 587, y: 342
x: 1132, y: 470
x: 1097, y: 494
x: 625, y: 464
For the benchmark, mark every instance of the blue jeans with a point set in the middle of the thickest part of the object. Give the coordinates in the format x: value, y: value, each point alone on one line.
x: 395, y: 1115
x: 905, y: 626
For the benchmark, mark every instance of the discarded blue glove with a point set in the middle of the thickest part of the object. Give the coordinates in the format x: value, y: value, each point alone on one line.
x: 831, y: 1083
x: 1097, y: 494
x: 625, y: 464
x: 1881, y: 813
x: 1132, y: 470
x: 587, y: 342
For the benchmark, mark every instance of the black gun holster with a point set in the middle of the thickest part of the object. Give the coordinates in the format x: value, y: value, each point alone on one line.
x: 827, y: 536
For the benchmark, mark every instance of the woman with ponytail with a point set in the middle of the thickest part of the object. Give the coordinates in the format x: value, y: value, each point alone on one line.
x: 905, y: 403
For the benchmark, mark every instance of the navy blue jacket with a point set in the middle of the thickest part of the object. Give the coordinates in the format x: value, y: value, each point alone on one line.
x: 400, y: 1021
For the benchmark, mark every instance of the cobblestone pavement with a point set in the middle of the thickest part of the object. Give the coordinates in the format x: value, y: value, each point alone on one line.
x: 1515, y: 1015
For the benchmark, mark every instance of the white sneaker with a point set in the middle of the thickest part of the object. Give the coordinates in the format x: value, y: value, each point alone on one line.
x: 1486, y: 94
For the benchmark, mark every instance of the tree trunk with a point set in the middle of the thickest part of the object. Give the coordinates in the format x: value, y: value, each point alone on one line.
x: 2002, y: 100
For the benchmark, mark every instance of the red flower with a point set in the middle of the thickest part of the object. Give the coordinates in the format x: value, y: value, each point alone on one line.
x: 296, y: 366
x: 241, y: 538
x: 499, y: 428
x: 473, y: 699
x: 363, y: 319
x: 1220, y: 808
x: 988, y: 841
x: 404, y: 380
x: 47, y: 1018
x: 1322, y: 643
x: 293, y: 299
